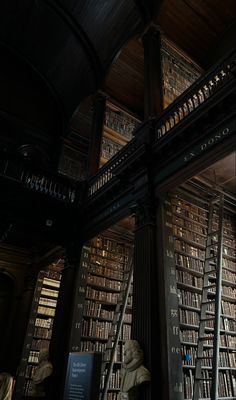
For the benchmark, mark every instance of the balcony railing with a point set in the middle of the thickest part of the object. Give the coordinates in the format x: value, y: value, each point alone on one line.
x: 49, y: 186
x: 107, y: 172
x: 199, y: 94
x: 53, y: 186
x: 196, y: 95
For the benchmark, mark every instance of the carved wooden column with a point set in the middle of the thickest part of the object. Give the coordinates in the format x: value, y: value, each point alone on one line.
x: 22, y: 307
x: 153, y: 92
x: 59, y: 346
x: 145, y: 315
x: 99, y: 106
x: 170, y: 361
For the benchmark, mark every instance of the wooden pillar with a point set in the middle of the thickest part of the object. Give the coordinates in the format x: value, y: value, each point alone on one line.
x: 153, y: 90
x: 99, y: 105
x: 145, y: 289
x: 22, y: 307
x: 59, y: 347
x: 170, y: 360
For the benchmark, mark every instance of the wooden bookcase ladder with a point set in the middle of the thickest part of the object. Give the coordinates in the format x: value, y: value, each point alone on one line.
x: 115, y: 331
x: 210, y: 301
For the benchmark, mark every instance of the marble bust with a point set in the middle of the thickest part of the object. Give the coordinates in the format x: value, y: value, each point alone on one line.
x: 6, y: 386
x: 42, y: 371
x: 133, y: 372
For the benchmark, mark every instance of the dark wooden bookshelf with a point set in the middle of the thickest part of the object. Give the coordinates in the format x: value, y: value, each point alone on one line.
x: 39, y: 330
x: 103, y: 266
x: 186, y: 218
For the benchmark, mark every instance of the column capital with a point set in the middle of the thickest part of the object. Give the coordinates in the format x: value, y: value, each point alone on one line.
x: 30, y: 279
x: 151, y: 30
x: 145, y: 212
x: 153, y: 90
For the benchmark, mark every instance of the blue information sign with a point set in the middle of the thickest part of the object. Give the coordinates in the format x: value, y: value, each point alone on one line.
x: 83, y: 376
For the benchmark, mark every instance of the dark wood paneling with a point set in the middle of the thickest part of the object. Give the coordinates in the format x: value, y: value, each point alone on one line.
x: 196, y: 25
x: 125, y: 80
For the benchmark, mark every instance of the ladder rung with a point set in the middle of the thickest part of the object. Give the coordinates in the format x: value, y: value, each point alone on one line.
x: 212, y: 244
x: 209, y: 286
x: 210, y: 272
x: 213, y: 233
x: 200, y: 378
x: 205, y: 302
x: 210, y: 258
x: 206, y: 337
x: 207, y: 319
x: 204, y: 357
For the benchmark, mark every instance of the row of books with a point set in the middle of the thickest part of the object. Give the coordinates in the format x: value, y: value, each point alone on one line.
x: 103, y: 282
x: 189, y: 235
x: 46, y: 311
x: 96, y: 329
x: 190, y: 225
x: 51, y: 282
x: 191, y: 336
x: 226, y: 358
x: 227, y: 385
x: 109, y: 148
x: 42, y: 333
x: 102, y: 296
x: 184, y: 205
x: 120, y: 122
x: 44, y: 322
x: 110, y: 245
x: 99, y: 260
x: 114, y: 382
x: 49, y: 292
x: 192, y: 251
x: 47, y: 302
x: 109, y: 254
x: 187, y: 261
x: 107, y: 271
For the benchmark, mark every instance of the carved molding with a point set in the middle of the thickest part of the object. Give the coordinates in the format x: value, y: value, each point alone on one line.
x: 145, y: 213
x: 30, y: 280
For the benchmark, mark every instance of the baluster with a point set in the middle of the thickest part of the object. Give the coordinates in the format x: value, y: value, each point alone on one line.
x: 185, y: 109
x: 50, y: 187
x: 167, y: 125
x: 202, y: 95
x: 176, y: 117
x: 206, y: 91
x: 164, y: 130
x: 195, y: 101
x: 191, y: 105
x: 36, y: 183
x: 32, y: 183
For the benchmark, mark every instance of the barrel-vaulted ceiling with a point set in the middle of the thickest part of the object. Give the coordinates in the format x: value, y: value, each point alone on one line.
x: 55, y: 53
x: 204, y: 29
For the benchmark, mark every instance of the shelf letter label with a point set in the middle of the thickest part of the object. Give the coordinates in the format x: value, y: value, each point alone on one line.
x: 174, y: 313
x: 175, y: 330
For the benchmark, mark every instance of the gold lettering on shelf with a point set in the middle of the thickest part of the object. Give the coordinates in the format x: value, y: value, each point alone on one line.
x: 175, y: 350
x: 170, y: 238
x: 175, y: 330
x: 178, y: 387
x: 173, y: 289
x: 174, y: 313
x: 169, y: 253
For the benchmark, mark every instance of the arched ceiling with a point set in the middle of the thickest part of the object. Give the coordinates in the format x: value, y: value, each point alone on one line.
x: 55, y: 53
x: 204, y: 29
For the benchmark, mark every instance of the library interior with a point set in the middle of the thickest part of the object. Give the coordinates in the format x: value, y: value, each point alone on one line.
x: 118, y: 200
